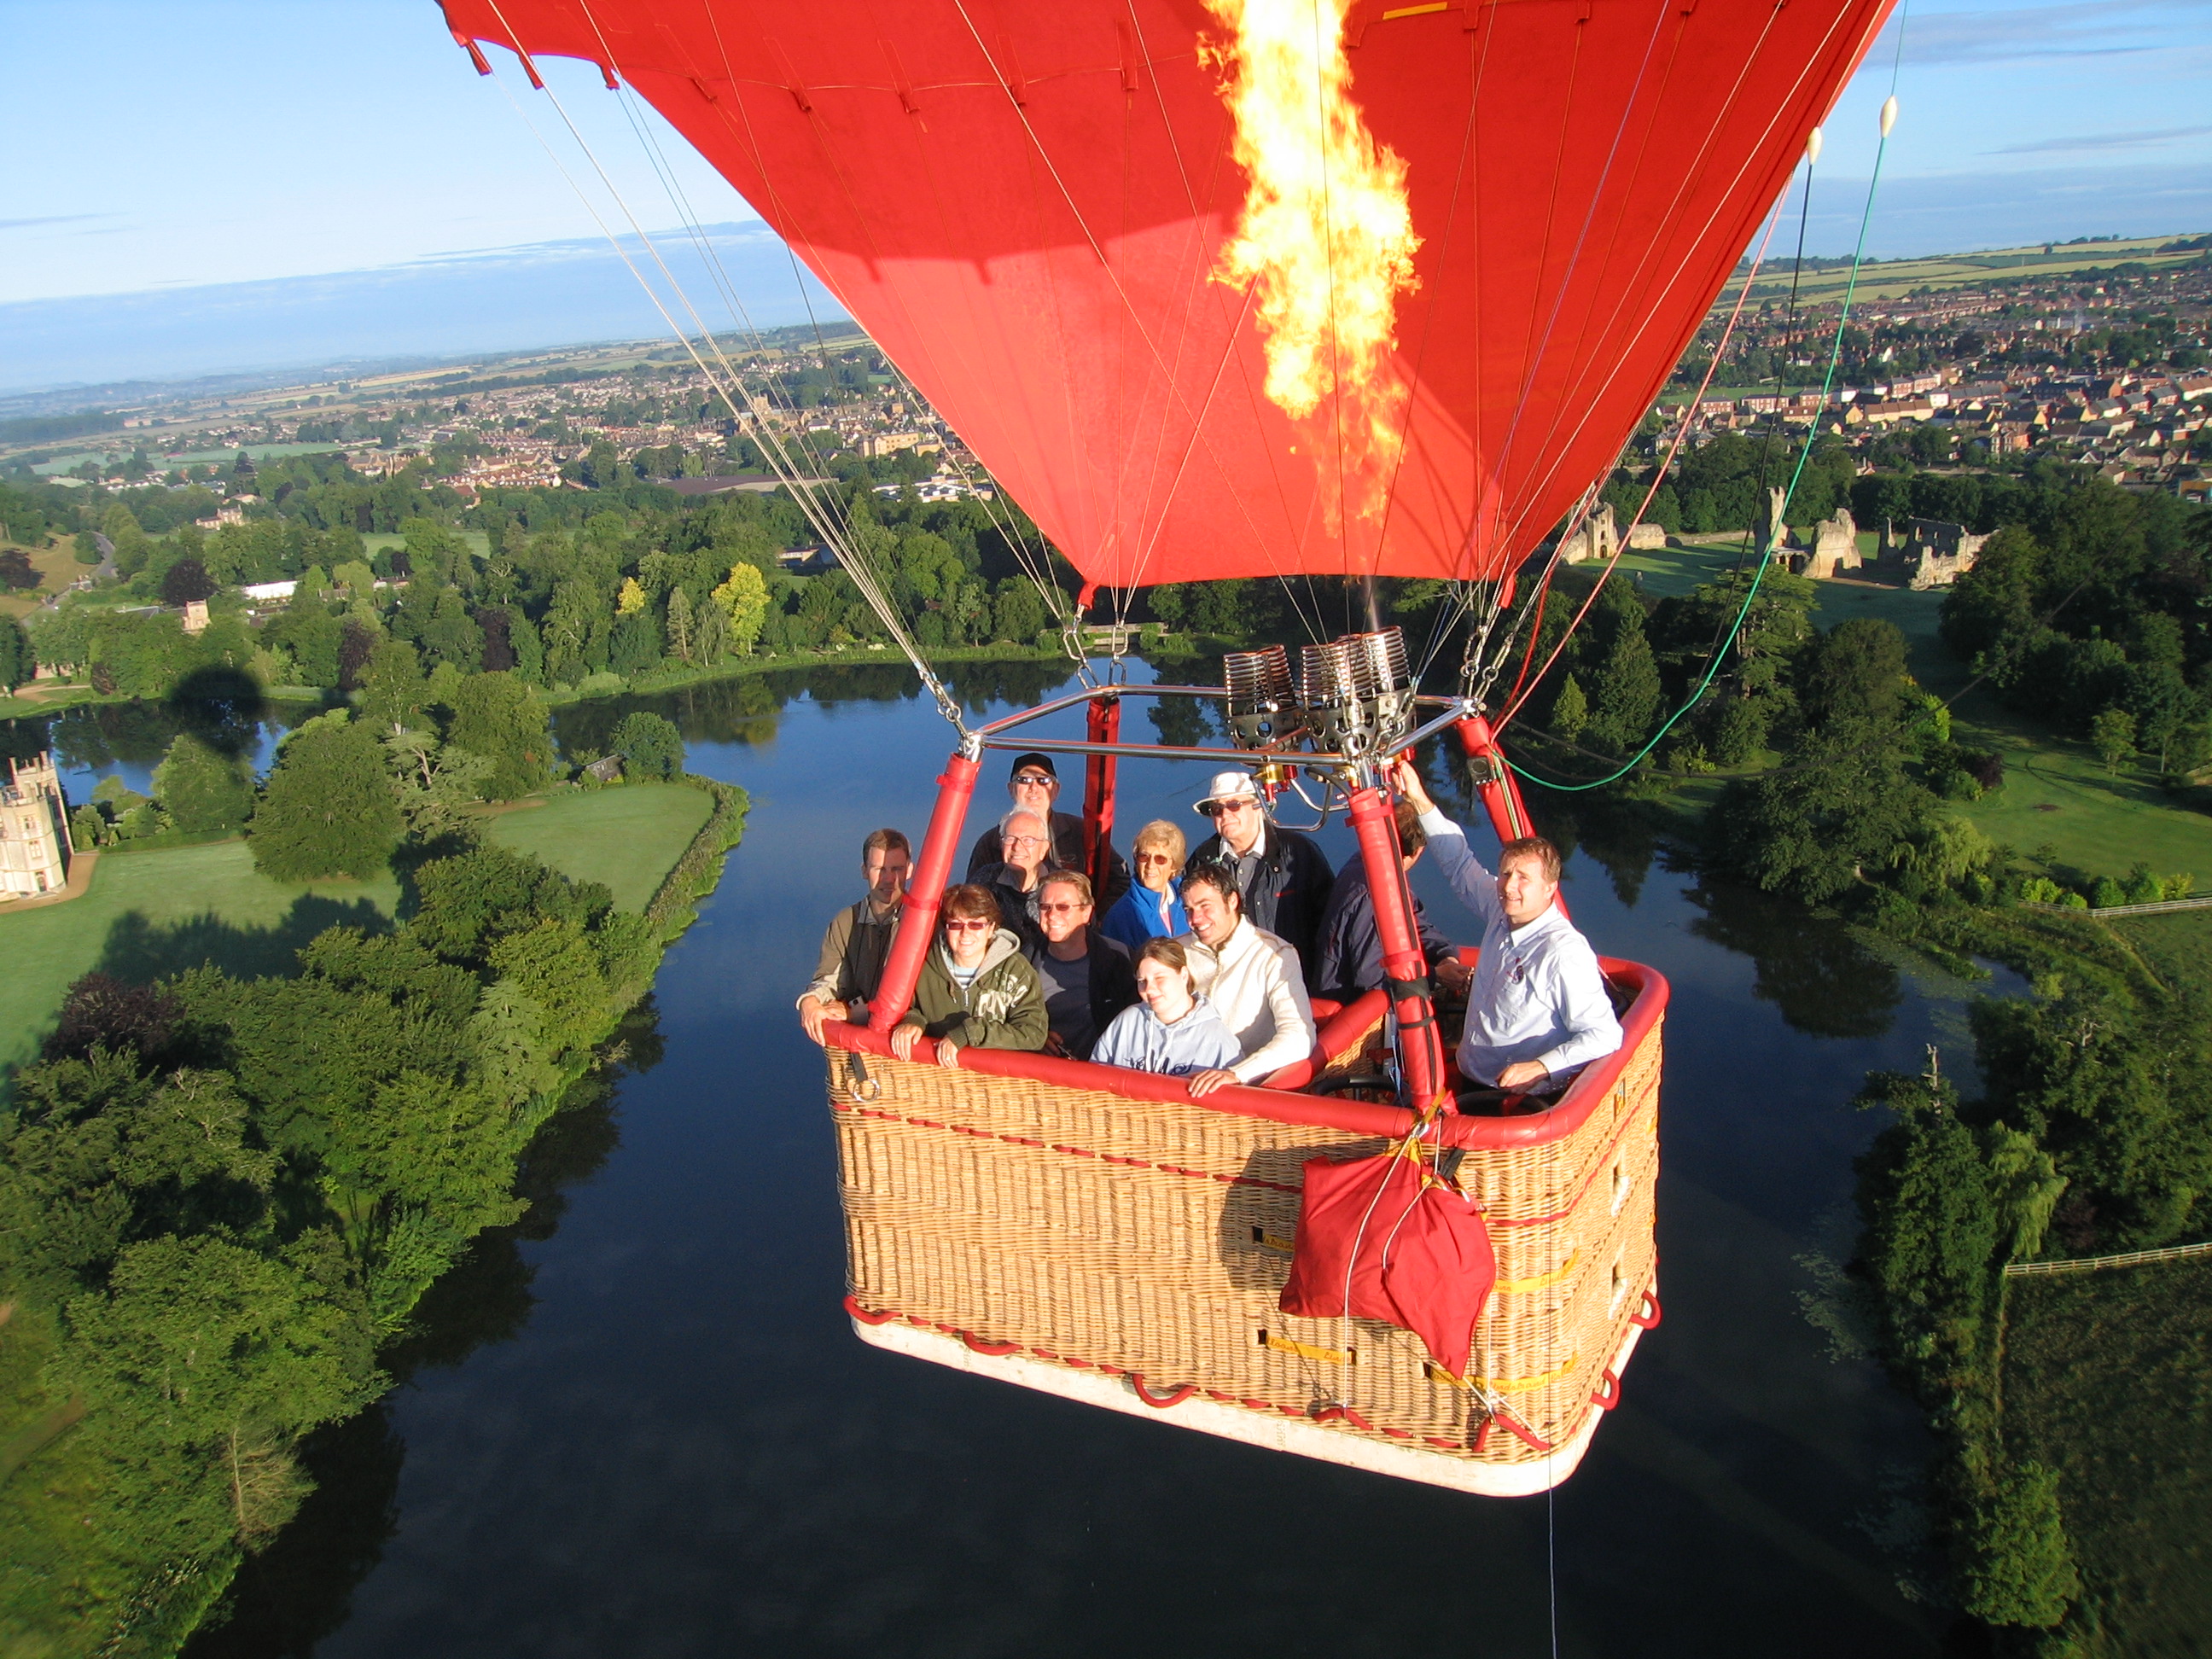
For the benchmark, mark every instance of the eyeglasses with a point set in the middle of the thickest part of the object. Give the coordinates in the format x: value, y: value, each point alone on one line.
x: 968, y: 926
x: 1223, y: 808
x: 1024, y: 841
x: 1059, y: 909
x: 1154, y: 857
x: 1033, y: 779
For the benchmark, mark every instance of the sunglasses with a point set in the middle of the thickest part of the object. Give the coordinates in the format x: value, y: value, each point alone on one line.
x: 1059, y: 909
x: 974, y: 926
x: 1154, y: 857
x: 1223, y: 808
x: 1036, y: 780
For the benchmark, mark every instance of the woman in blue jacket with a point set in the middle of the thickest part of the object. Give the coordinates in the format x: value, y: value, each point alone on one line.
x: 1153, y: 907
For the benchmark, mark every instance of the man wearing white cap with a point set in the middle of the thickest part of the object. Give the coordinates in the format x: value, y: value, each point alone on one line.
x: 1283, y: 876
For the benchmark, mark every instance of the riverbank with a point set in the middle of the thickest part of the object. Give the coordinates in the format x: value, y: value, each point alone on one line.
x: 71, y: 1586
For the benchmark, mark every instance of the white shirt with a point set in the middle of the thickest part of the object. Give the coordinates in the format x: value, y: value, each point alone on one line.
x: 1538, y: 993
x: 1255, y: 984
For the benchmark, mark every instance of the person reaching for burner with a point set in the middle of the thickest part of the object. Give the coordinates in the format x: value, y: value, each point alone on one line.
x: 977, y: 990
x: 1034, y: 784
x: 1153, y: 907
x: 1173, y: 1030
x: 1538, y: 1012
x: 1086, y: 977
x: 858, y: 939
x: 1251, y: 977
x: 1350, y: 945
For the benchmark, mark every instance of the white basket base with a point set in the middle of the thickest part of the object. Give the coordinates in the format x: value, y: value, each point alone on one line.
x: 1322, y: 1441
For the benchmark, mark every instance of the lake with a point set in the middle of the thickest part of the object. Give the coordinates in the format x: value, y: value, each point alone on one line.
x: 641, y: 1425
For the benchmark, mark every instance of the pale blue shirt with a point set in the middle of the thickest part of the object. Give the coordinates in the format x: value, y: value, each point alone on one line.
x: 1538, y: 993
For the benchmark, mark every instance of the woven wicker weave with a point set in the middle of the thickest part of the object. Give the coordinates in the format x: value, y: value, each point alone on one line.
x: 1088, y: 1228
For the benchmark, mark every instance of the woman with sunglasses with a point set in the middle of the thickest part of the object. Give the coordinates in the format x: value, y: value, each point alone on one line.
x: 977, y: 990
x: 1152, y: 909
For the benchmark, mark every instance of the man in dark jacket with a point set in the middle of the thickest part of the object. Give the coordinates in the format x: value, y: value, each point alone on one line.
x: 1034, y: 783
x: 1282, y: 875
x: 1087, y: 977
x: 858, y: 939
x: 1351, y: 946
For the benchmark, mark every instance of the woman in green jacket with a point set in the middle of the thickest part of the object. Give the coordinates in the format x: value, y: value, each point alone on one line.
x: 977, y: 990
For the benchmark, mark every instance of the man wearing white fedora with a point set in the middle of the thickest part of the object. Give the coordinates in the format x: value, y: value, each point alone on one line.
x: 1282, y: 875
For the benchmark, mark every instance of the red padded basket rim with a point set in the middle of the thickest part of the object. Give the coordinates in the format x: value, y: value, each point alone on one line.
x: 1279, y: 1104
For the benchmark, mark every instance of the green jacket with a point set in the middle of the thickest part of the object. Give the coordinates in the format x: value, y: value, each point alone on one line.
x: 1002, y: 1008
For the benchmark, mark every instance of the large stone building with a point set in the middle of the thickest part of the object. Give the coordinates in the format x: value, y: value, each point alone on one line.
x: 34, y: 840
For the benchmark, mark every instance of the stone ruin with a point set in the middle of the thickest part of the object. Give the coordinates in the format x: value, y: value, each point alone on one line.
x: 1930, y: 554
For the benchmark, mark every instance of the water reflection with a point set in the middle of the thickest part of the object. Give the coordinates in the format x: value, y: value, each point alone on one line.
x: 295, y: 1593
x: 1813, y: 969
x: 91, y: 741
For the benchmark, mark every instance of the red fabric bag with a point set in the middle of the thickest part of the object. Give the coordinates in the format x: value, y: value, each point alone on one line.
x: 1408, y: 1247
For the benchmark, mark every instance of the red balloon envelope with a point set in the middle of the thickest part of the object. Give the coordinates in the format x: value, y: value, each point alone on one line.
x: 1026, y: 202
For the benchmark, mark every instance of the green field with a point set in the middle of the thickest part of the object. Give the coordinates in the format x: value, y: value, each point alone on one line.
x: 159, y: 912
x: 154, y: 913
x: 1891, y: 279
x: 2177, y: 945
x: 479, y: 541
x: 2108, y: 1378
x: 628, y: 838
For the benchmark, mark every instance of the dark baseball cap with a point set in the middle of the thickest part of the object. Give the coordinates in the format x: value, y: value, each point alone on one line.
x: 1043, y: 762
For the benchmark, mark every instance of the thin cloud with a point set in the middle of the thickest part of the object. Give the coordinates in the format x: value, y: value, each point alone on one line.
x: 2085, y: 28
x: 52, y: 219
x: 2101, y: 140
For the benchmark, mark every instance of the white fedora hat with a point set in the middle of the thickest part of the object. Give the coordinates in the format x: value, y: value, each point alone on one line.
x: 1229, y: 785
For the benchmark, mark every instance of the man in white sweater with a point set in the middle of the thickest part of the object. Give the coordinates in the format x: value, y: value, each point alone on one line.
x: 1252, y: 978
x: 1538, y: 1012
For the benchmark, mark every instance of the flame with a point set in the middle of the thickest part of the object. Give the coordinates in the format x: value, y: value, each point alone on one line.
x: 1326, y: 236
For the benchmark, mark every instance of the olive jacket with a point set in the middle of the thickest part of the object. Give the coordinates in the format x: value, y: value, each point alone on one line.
x: 1002, y: 1008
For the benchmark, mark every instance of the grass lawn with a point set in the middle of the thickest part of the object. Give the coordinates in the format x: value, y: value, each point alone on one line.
x: 628, y: 838
x: 56, y: 567
x: 154, y: 913
x: 2108, y: 1377
x: 2177, y: 945
x: 479, y: 541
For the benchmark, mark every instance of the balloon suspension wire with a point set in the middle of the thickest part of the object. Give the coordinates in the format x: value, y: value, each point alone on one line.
x: 1526, y: 686
x: 745, y: 407
x: 1780, y: 525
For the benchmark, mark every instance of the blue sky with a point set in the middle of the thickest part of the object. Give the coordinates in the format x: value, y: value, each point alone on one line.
x: 159, y: 144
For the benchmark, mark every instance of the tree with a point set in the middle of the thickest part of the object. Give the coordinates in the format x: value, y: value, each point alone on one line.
x: 204, y: 788
x: 680, y: 625
x: 328, y: 809
x: 19, y: 663
x: 630, y: 599
x: 1854, y: 675
x: 186, y: 582
x: 498, y: 717
x: 17, y: 573
x: 743, y: 600
x: 650, y: 745
x: 1018, y: 614
x: 1570, y: 710
x: 1625, y: 691
x: 636, y: 646
x: 2112, y: 734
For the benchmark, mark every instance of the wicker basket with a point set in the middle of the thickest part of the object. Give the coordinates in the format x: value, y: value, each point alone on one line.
x: 1149, y: 1239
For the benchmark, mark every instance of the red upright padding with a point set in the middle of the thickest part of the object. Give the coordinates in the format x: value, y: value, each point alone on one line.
x: 1384, y: 1238
x: 1103, y: 725
x: 925, y: 893
x: 1402, y: 963
x: 1501, y: 795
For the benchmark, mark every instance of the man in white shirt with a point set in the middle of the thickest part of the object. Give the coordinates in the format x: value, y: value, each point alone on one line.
x: 1251, y: 977
x: 1538, y: 1012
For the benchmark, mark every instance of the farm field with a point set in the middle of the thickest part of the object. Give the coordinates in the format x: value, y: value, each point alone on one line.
x: 1892, y: 279
x: 56, y: 567
x: 628, y: 838
x: 2106, y: 1379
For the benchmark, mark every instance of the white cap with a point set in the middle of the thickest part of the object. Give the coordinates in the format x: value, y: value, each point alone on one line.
x: 1228, y: 786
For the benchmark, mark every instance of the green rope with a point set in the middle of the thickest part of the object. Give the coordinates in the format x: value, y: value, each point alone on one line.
x: 1781, y: 522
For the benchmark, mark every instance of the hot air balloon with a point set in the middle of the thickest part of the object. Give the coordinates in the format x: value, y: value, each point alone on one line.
x: 1222, y: 289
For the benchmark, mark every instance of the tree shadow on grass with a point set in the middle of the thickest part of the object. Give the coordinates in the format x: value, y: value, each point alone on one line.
x: 139, y: 951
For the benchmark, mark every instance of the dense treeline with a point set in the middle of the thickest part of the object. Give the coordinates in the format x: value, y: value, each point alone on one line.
x: 220, y: 1198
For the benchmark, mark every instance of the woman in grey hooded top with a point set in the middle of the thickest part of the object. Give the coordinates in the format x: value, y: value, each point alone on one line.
x: 1172, y: 1029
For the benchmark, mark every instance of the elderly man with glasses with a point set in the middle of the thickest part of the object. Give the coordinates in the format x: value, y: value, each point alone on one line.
x: 1087, y: 977
x: 1018, y: 881
x: 1282, y: 875
x: 1034, y: 785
